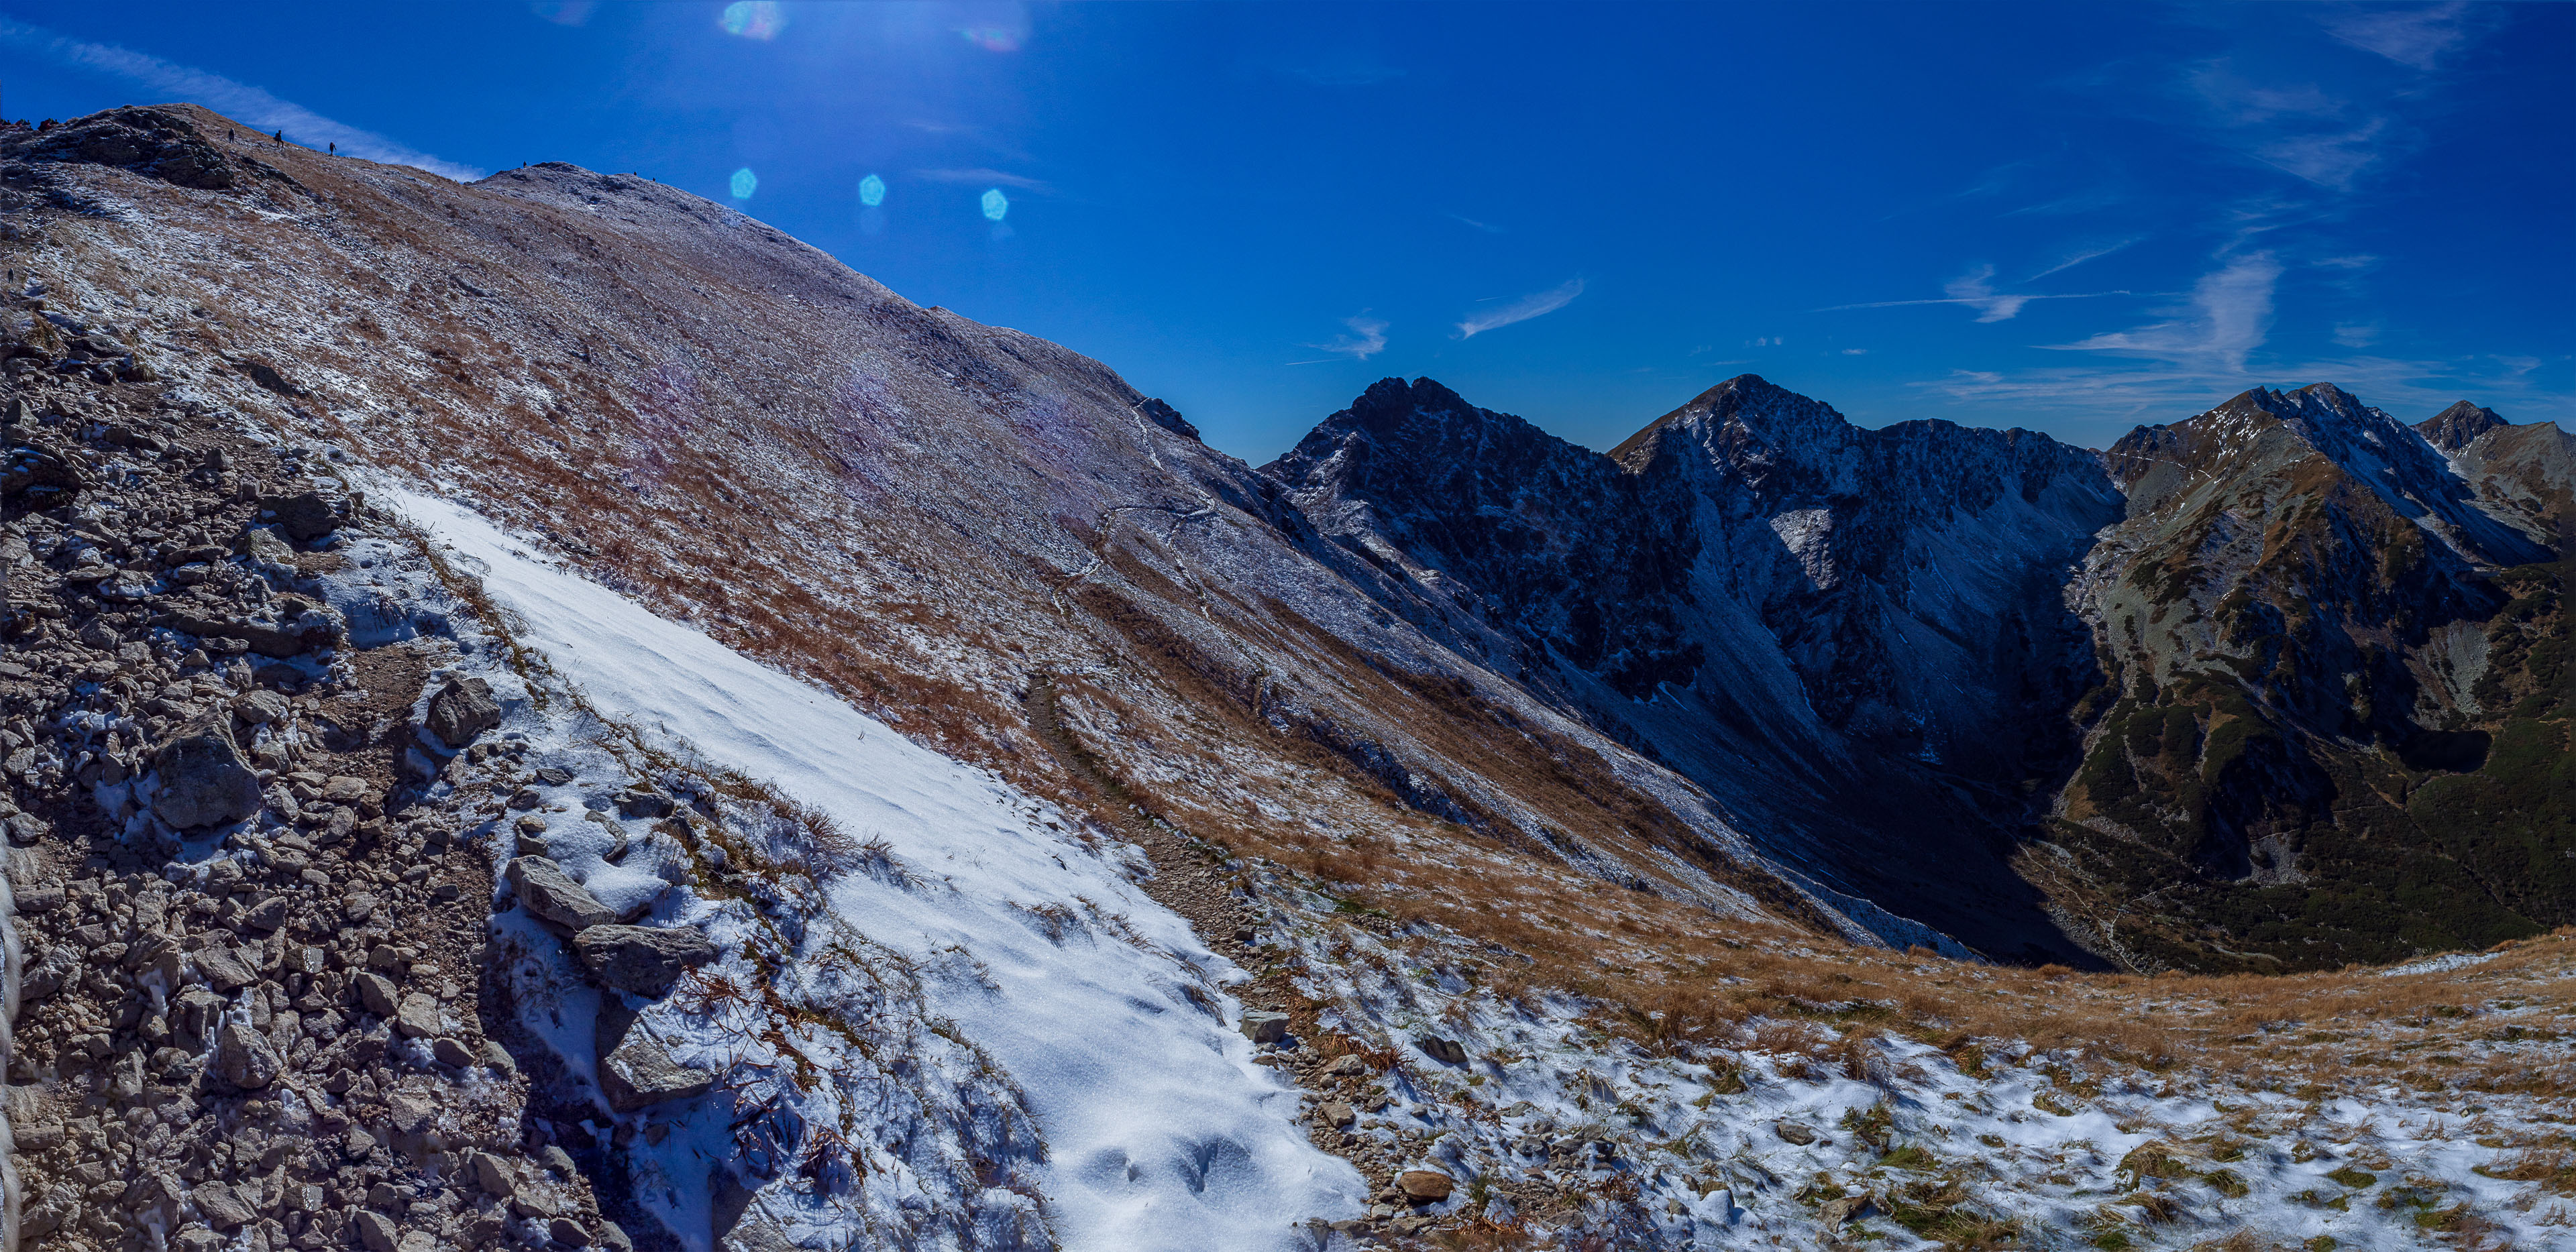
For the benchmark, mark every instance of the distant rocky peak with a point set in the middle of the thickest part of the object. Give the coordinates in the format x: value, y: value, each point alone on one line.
x: 2326, y: 418
x: 1404, y: 430
x: 1392, y: 402
x: 1746, y: 414
x: 2459, y: 426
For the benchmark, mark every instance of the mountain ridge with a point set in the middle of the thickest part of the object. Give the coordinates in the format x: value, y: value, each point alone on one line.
x: 1490, y: 836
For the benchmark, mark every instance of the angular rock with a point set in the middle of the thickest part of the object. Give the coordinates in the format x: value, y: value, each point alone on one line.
x: 418, y: 1017
x: 204, y: 780
x: 461, y: 710
x: 1445, y: 1051
x: 223, y: 968
x: 448, y: 1051
x: 409, y: 1111
x: 641, y: 802
x: 376, y: 1231
x: 550, y: 895
x: 376, y: 995
x: 640, y: 1073
x: 1336, y: 1114
x: 1425, y: 1186
x: 1795, y: 1133
x: 491, y: 1175
x: 259, y: 708
x: 643, y: 960
x: 304, y: 517
x: 221, y: 1208
x: 244, y: 1059
x: 1264, y: 1027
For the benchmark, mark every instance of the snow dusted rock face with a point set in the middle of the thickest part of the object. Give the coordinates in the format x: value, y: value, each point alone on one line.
x: 2336, y: 721
x: 746, y: 563
x: 1826, y: 627
x: 922, y: 513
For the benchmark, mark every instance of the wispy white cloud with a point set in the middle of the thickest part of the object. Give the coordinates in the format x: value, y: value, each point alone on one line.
x: 1976, y: 289
x: 2419, y: 38
x: 1366, y: 339
x: 2090, y: 252
x: 2229, y: 315
x: 2105, y: 401
x: 2356, y: 334
x: 1487, y: 227
x: 2331, y: 160
x: 985, y: 177
x: 1536, y: 304
x: 239, y: 101
x: 2301, y: 130
x: 1855, y: 352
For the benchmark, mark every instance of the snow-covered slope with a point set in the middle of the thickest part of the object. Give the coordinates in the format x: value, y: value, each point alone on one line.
x: 1096, y: 1004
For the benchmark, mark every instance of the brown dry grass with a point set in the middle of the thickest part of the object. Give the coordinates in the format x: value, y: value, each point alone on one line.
x: 736, y: 519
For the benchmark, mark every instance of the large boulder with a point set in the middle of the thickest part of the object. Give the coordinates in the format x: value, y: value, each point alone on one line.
x: 48, y: 477
x: 461, y: 710
x: 643, y: 960
x: 1425, y: 1186
x: 1264, y: 1027
x: 204, y: 780
x: 550, y: 895
x: 640, y: 1073
x: 304, y: 517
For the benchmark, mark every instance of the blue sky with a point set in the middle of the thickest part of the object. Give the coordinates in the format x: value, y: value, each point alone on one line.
x: 2073, y: 217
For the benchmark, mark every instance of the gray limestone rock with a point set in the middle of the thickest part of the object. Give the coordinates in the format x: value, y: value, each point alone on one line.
x: 221, y: 1208
x: 204, y: 780
x: 461, y: 710
x: 244, y: 1058
x: 224, y: 969
x: 376, y: 1230
x: 418, y: 1016
x: 643, y: 960
x: 550, y: 895
x: 641, y: 1073
x: 376, y: 995
x: 1263, y: 1027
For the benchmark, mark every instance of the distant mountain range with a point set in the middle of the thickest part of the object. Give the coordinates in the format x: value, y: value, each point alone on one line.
x: 2280, y: 685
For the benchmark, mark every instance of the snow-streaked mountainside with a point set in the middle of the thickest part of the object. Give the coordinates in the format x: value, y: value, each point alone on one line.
x: 858, y: 778
x: 1835, y: 631
x: 1099, y: 1005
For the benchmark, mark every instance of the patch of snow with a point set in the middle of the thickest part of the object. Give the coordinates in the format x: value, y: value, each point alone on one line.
x: 1159, y: 1131
x: 2439, y: 964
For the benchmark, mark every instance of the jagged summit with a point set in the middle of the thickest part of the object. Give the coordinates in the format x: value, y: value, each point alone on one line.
x: 2459, y: 426
x: 1528, y: 785
x: 1749, y: 404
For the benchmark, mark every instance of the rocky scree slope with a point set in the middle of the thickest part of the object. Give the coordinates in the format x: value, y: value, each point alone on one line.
x: 1623, y: 1069
x: 2334, y: 718
x: 916, y: 510
x: 349, y: 923
x: 252, y: 1011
